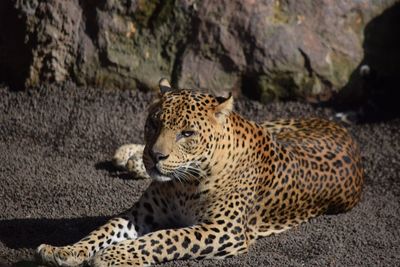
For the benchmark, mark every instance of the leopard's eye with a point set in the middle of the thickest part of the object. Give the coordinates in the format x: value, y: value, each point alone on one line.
x: 187, y: 133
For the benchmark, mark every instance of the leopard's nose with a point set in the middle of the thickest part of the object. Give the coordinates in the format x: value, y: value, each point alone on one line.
x: 158, y: 156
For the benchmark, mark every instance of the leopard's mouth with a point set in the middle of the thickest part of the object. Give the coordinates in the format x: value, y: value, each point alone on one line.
x: 157, y: 175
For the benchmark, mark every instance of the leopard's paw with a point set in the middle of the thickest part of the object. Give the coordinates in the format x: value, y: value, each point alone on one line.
x: 61, y: 256
x: 129, y: 157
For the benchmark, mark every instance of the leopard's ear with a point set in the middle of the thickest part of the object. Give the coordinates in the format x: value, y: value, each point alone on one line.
x: 164, y: 85
x: 224, y: 108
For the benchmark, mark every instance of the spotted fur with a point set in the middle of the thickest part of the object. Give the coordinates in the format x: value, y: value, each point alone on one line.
x: 219, y: 183
x: 129, y: 157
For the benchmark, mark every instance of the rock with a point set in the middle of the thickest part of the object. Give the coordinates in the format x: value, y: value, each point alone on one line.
x: 266, y: 49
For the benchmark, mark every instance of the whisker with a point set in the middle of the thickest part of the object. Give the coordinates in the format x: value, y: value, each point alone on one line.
x: 189, y: 171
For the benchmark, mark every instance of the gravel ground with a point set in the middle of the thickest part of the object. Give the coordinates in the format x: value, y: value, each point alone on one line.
x: 57, y: 184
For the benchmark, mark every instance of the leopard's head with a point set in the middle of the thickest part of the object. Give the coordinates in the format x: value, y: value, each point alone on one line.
x: 182, y: 132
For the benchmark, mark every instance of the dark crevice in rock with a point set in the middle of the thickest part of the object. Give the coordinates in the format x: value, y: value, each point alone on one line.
x: 142, y: 86
x: 307, y: 62
x: 269, y: 87
x: 228, y: 64
x: 162, y: 11
x: 190, y: 34
x: 15, y: 50
x: 250, y: 81
x: 177, y: 65
x: 89, y: 12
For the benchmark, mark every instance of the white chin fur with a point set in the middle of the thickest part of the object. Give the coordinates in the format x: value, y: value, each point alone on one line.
x: 162, y: 178
x: 158, y: 176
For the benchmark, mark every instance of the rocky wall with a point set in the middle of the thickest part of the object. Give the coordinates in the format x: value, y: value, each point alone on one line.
x: 271, y: 49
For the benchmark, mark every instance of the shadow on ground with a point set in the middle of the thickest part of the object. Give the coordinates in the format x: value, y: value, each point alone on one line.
x: 113, y: 171
x: 30, y: 233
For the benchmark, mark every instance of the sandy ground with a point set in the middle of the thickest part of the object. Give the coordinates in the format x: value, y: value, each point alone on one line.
x: 57, y: 184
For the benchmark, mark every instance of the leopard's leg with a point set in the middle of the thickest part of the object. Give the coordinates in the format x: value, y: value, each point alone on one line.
x: 127, y: 226
x: 209, y: 240
x: 114, y: 231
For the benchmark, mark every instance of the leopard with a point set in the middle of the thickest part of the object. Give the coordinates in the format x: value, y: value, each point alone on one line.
x: 219, y: 182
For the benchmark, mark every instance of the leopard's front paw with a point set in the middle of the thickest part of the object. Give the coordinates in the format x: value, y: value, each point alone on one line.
x: 61, y: 256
